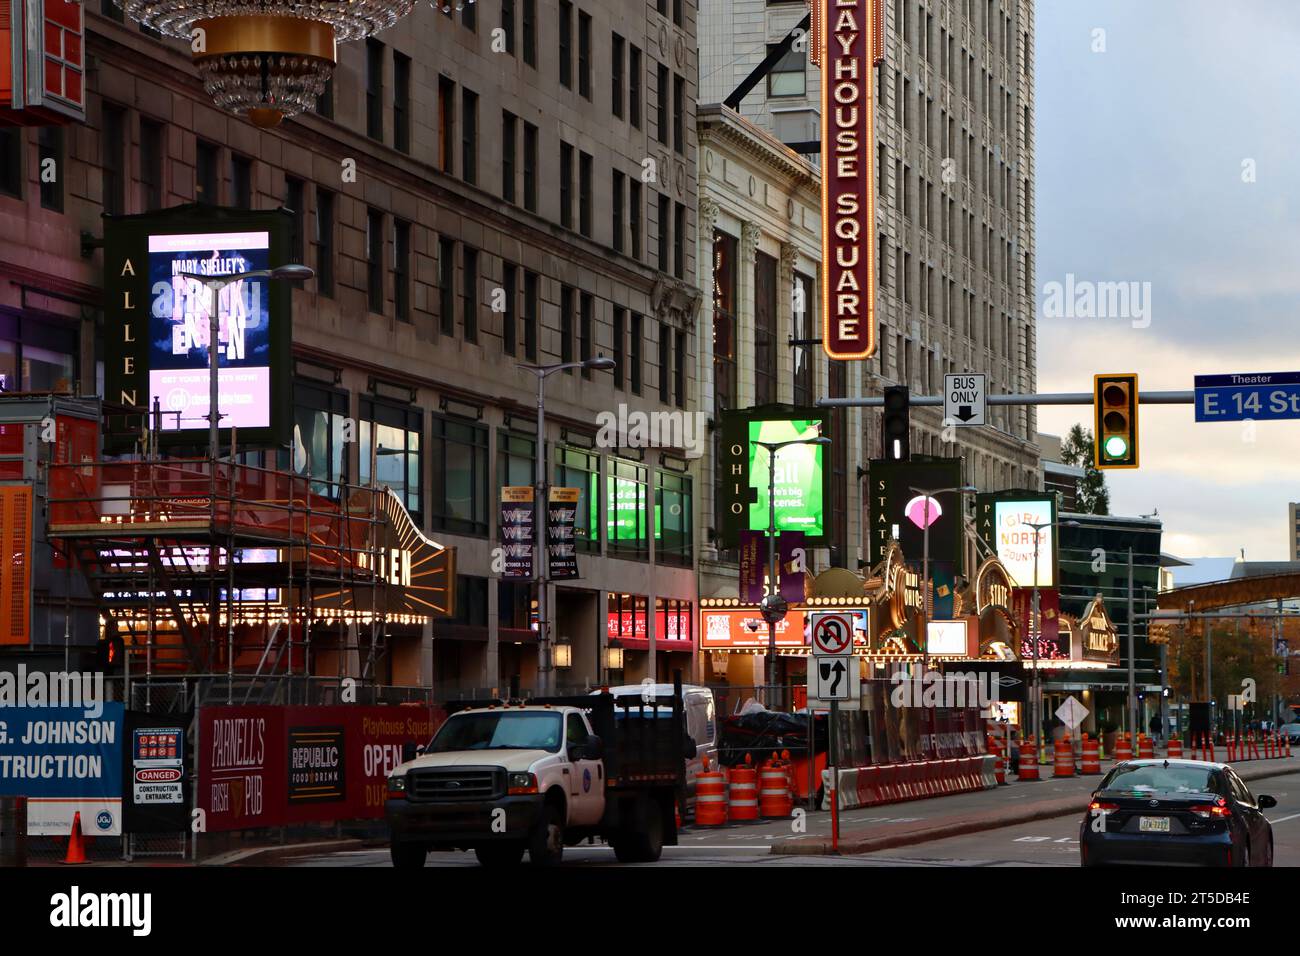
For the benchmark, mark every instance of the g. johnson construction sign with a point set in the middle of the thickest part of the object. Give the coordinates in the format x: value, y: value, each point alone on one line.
x: 848, y: 181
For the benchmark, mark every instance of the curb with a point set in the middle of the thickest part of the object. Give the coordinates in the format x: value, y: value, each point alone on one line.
x: 1063, y: 807
x: 267, y: 855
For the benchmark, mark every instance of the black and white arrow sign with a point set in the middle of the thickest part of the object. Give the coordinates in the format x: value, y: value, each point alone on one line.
x: 965, y: 399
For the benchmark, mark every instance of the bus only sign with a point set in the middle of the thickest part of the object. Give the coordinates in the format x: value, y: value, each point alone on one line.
x: 848, y: 181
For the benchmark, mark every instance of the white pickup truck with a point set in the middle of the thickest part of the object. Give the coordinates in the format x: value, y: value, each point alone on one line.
x: 503, y: 779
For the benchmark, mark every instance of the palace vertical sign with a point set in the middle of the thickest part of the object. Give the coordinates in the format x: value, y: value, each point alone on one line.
x: 848, y: 181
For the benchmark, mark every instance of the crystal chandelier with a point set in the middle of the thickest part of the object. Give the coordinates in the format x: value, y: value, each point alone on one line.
x: 266, y: 59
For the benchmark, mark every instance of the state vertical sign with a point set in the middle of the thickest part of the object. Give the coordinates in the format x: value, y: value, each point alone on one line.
x: 848, y: 179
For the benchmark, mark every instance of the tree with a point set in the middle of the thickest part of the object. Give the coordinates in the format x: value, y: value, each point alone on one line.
x: 1093, y: 497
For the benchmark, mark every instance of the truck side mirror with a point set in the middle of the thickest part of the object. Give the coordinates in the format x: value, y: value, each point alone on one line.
x: 689, y: 749
x: 594, y: 748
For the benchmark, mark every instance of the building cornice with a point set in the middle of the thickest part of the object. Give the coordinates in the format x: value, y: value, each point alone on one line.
x: 724, y: 127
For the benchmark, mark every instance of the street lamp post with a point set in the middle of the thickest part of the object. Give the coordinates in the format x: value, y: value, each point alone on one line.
x: 1035, y: 630
x: 293, y: 272
x: 772, y: 606
x: 543, y: 372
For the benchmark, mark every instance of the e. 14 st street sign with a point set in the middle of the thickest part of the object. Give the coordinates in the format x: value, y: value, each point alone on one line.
x: 1257, y: 396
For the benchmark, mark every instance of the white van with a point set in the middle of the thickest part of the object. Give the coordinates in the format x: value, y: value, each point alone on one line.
x: 701, y: 725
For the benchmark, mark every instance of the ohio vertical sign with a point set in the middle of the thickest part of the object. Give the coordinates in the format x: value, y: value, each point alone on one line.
x: 848, y: 180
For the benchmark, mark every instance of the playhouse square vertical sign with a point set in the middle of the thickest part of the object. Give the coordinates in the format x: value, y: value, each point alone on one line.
x: 848, y: 182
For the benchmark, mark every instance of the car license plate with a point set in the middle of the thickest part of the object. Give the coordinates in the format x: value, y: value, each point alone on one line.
x: 1154, y: 825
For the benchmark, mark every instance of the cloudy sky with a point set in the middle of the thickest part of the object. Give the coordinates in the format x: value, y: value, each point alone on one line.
x: 1168, y: 153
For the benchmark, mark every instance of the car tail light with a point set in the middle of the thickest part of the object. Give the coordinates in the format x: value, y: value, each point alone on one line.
x: 1219, y: 809
x: 1098, y: 807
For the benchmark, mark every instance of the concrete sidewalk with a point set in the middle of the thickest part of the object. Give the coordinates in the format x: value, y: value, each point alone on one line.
x: 960, y: 814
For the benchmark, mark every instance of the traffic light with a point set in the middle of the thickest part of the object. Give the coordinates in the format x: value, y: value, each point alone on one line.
x: 109, y: 654
x: 895, y: 423
x: 1115, y: 401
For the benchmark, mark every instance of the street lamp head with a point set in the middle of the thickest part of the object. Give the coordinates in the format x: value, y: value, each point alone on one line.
x: 600, y: 362
x: 293, y: 272
x: 1071, y: 524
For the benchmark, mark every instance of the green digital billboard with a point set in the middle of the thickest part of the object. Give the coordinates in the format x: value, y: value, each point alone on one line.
x: 799, y: 484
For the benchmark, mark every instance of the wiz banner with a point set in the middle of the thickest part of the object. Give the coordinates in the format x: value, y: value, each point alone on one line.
x: 516, y: 530
x: 272, y: 766
x: 848, y: 181
x: 561, y: 521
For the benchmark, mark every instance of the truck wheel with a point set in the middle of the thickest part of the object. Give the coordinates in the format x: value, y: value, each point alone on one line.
x: 500, y: 854
x: 546, y: 844
x: 408, y: 856
x: 645, y: 845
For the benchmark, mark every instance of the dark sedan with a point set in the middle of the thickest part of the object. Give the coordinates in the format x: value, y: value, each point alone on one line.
x: 1173, y: 812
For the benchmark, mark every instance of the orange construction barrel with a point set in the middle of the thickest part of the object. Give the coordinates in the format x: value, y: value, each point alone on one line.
x: 710, y: 797
x: 742, y: 803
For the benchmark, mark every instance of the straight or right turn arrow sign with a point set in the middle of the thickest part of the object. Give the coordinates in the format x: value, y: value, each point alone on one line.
x: 965, y: 399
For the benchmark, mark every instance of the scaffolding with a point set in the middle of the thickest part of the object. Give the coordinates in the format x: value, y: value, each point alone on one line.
x: 236, y: 578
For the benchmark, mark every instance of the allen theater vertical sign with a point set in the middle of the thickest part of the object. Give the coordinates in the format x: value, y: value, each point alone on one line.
x: 846, y: 41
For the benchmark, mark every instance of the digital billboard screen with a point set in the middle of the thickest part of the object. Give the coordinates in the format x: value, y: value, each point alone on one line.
x: 179, y: 329
x: 797, y: 482
x: 1013, y: 522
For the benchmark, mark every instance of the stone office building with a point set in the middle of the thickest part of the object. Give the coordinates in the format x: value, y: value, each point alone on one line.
x: 465, y: 210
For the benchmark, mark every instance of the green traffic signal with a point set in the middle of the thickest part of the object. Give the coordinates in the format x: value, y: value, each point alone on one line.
x: 1116, y: 446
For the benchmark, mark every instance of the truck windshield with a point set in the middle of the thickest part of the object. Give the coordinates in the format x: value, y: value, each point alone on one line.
x: 500, y: 730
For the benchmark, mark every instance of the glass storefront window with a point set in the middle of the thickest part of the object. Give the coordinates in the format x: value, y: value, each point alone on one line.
x: 515, y: 459
x: 8, y: 367
x: 319, y: 436
x: 672, y: 518
x: 673, y: 620
x: 460, y: 476
x: 46, y: 371
x: 626, y: 615
x: 625, y: 515
x: 581, y: 469
x: 396, y: 454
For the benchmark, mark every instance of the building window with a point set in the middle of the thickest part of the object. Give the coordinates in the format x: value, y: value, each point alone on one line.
x: 586, y: 321
x: 581, y: 470
x: 664, y: 214
x: 679, y: 114
x: 324, y: 242
x: 787, y: 77
x: 530, y: 33
x: 679, y: 369
x: 375, y: 261
x: 390, y: 450
x: 637, y: 331
x: 402, y: 101
x: 509, y: 127
x: 320, y: 417
x: 616, y: 211
x: 672, y: 518
x: 508, y: 25
x: 566, y: 44
x: 673, y: 620
x: 402, y: 269
x: 634, y: 215
x: 469, y: 292
x: 459, y: 462
x: 11, y: 162
x: 447, y: 286
x: 617, y: 45
x: 49, y: 146
x: 205, y: 173
x: 114, y: 160
x: 325, y: 102
x: 803, y: 309
x: 446, y: 125
x: 509, y: 319
x: 679, y: 241
x: 469, y: 17
x: 515, y: 462
x: 584, y: 55
x: 620, y: 338
x: 584, y: 194
x: 634, y: 86
x: 241, y: 181
x: 625, y: 514
x: 677, y: 12
x: 375, y: 89
x: 531, y: 306
x: 469, y: 144
x: 530, y: 167
x: 665, y: 363
x: 295, y: 201
x: 627, y: 616
x: 152, y: 150
x: 724, y: 322
x: 765, y: 353
x: 566, y: 326
x: 566, y: 185
x: 662, y: 89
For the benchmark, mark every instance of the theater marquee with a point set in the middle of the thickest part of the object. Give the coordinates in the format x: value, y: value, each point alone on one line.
x: 848, y: 180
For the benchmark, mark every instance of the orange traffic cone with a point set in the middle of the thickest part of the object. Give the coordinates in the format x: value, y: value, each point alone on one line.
x: 76, y: 845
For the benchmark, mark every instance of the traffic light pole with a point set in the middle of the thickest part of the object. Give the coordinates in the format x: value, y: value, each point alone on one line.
x: 1014, y: 398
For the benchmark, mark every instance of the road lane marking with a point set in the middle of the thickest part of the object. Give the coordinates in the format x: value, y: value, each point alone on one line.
x: 1284, y: 819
